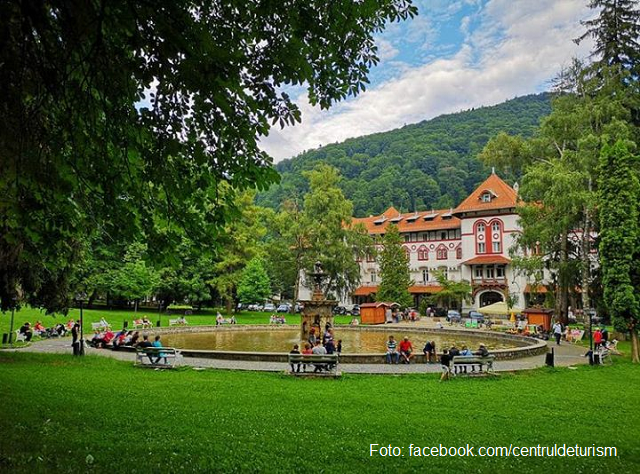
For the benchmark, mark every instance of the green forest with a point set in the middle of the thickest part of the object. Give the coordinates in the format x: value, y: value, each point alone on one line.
x: 433, y: 163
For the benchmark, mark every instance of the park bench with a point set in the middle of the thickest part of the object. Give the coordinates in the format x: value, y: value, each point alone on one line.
x: 20, y: 336
x: 146, y: 357
x: 177, y: 322
x: 140, y: 324
x: 462, y: 362
x: 328, y: 364
x: 99, y: 326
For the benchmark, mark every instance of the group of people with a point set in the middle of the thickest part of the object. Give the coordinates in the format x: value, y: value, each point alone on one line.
x: 103, y: 339
x: 394, y: 315
x: 277, y: 319
x: 326, y: 344
x: 29, y: 331
x: 404, y: 352
x: 220, y: 320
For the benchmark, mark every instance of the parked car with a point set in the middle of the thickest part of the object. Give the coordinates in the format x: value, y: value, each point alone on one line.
x: 299, y: 307
x: 475, y: 316
x: 352, y: 309
x: 453, y: 316
x: 339, y: 310
x: 269, y: 307
x: 439, y: 312
x: 283, y: 308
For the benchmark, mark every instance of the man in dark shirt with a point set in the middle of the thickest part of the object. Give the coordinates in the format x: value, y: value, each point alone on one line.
x: 445, y: 361
x: 145, y: 343
x: 75, y: 335
x: 482, y: 351
x: 429, y: 351
x: 453, y: 352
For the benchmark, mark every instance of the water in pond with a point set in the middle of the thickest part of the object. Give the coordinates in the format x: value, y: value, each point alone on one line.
x: 353, y: 341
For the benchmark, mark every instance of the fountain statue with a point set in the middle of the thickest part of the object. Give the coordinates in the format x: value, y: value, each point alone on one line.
x: 317, y: 313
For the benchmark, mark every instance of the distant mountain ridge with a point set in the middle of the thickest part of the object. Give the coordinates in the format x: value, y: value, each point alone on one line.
x: 431, y: 164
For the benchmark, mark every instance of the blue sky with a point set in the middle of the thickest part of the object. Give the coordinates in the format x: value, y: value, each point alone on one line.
x: 456, y: 54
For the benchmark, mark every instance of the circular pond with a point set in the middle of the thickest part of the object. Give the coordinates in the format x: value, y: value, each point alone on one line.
x: 354, y: 341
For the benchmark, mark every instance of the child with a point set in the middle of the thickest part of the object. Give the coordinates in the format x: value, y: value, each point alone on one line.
x: 339, y: 346
x: 294, y: 365
x: 445, y: 361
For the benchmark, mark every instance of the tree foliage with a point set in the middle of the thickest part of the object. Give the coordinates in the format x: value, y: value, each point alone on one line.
x: 395, y: 277
x: 452, y: 293
x: 254, y: 286
x: 126, y: 116
x: 331, y: 238
x: 620, y: 236
x: 429, y: 164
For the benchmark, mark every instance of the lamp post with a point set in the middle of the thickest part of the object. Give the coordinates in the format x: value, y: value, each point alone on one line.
x: 80, y: 297
x: 13, y: 312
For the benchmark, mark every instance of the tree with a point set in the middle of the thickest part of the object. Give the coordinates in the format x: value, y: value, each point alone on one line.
x: 451, y: 292
x: 134, y: 280
x: 332, y: 239
x: 286, y: 248
x: 395, y: 277
x: 239, y: 243
x: 254, y: 286
x: 620, y: 237
x: 126, y: 116
x: 615, y: 32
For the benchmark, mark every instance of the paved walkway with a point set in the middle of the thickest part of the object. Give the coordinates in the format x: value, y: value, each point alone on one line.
x: 565, y: 355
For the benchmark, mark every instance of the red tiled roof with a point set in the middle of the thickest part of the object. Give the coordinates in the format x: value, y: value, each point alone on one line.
x: 408, y: 223
x: 377, y: 304
x: 486, y: 259
x: 365, y: 290
x: 504, y: 196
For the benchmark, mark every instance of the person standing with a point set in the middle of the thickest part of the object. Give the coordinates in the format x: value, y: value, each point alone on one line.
x: 597, y: 339
x: 75, y: 338
x: 557, y: 332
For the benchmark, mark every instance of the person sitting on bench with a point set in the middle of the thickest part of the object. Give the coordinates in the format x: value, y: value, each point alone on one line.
x: 146, y: 343
x: 319, y: 350
x: 161, y: 355
x: 294, y: 366
x: 406, y: 350
x: 482, y: 351
x: 466, y: 351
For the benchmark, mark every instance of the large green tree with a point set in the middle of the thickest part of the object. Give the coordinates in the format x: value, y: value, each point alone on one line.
x: 126, y: 116
x: 620, y: 237
x: 395, y: 277
x: 332, y: 240
x: 254, y: 286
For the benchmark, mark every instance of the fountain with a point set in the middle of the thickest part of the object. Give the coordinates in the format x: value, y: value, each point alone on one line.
x: 317, y: 312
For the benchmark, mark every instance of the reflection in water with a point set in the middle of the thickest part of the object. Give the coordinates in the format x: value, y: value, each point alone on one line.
x: 283, y: 340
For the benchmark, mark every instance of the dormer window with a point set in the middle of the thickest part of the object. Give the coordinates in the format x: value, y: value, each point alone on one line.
x: 486, y: 197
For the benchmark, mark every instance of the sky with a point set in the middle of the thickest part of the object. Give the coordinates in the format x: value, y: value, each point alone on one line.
x: 456, y: 54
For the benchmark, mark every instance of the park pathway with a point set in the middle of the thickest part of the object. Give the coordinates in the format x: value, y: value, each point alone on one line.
x: 565, y: 355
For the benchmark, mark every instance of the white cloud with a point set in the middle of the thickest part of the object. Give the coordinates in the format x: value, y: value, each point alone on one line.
x: 515, y: 49
x: 386, y: 50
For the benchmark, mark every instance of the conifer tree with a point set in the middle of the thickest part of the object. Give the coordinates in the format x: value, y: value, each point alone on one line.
x: 620, y: 238
x: 394, y: 270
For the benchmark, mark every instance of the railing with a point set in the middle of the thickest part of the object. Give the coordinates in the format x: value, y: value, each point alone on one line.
x: 489, y: 281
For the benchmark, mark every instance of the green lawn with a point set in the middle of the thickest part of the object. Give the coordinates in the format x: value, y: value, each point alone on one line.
x: 117, y: 317
x: 70, y: 415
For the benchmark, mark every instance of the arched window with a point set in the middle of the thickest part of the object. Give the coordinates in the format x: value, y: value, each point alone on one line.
x: 481, y: 228
x: 407, y: 252
x: 494, y: 240
x: 423, y: 253
x: 459, y: 253
x: 441, y: 253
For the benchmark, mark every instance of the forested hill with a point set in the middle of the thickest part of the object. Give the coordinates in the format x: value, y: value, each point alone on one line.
x: 429, y: 164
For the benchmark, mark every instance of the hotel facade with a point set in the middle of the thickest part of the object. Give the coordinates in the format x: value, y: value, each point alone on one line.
x: 470, y: 242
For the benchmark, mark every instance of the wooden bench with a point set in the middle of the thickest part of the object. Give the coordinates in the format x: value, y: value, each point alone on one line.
x: 147, y: 357
x: 462, y: 362
x: 140, y: 324
x: 178, y: 322
x: 99, y: 326
x: 323, y: 364
x: 20, y: 336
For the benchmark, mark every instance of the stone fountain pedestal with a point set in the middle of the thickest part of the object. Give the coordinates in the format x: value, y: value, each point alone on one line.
x: 318, y: 311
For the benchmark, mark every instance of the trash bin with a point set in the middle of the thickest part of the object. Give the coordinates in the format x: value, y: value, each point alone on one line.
x: 125, y: 324
x: 549, y: 358
x: 157, y: 324
x: 5, y: 338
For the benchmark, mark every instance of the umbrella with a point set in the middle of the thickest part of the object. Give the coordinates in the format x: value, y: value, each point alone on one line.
x: 499, y: 308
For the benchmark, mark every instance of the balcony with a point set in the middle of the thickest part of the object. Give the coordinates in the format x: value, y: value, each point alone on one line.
x: 490, y: 282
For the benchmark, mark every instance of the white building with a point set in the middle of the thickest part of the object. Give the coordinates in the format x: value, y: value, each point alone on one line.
x: 470, y: 242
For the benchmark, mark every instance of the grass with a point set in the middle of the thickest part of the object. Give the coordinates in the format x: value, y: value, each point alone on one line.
x: 97, y: 414
x: 117, y: 317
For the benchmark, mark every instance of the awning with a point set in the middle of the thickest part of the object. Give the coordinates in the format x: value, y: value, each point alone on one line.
x: 499, y: 308
x: 488, y: 260
x: 365, y: 290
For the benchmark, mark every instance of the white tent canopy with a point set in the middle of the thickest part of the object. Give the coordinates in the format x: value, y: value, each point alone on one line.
x: 499, y: 308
